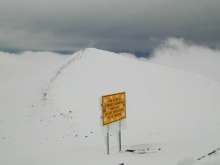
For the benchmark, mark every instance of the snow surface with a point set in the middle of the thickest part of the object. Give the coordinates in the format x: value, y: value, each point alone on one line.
x: 50, y: 110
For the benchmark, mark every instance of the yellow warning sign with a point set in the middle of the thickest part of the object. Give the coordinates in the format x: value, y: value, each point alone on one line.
x: 113, y: 107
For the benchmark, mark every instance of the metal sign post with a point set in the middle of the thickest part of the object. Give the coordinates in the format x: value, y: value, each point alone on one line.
x: 107, y: 139
x: 119, y: 136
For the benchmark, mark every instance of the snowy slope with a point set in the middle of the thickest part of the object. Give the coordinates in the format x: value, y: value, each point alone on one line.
x: 22, y: 80
x: 61, y: 124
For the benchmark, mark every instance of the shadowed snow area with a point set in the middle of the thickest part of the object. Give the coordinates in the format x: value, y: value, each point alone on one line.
x: 51, y: 114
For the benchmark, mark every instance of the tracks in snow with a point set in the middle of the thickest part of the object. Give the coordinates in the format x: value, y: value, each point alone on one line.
x: 72, y: 59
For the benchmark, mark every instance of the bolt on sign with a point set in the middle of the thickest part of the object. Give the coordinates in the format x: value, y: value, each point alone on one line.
x: 113, y: 107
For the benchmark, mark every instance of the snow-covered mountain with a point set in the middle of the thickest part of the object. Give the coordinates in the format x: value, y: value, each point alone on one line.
x: 50, y: 110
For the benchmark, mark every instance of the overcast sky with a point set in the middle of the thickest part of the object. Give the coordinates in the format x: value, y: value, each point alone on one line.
x: 118, y: 25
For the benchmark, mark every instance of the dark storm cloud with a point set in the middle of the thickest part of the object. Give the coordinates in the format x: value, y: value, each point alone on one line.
x: 116, y: 25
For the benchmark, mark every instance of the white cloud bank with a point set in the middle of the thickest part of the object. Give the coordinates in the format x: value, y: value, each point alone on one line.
x: 190, y: 57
